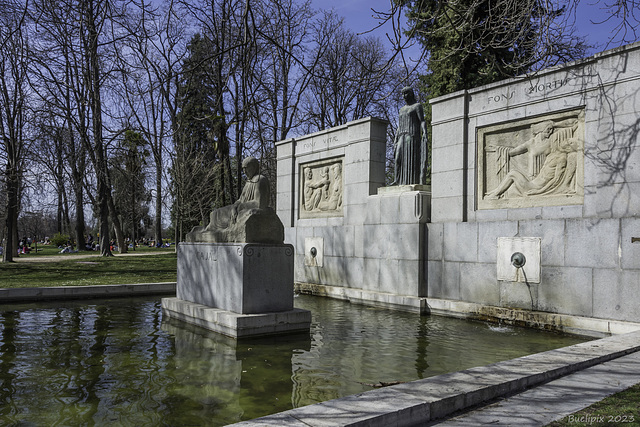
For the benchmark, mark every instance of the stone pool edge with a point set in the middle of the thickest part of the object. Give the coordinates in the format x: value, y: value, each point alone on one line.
x: 85, y: 292
x: 567, y: 323
x: 412, y: 403
x: 421, y: 401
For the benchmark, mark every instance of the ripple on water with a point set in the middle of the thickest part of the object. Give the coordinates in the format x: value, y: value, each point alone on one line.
x: 118, y: 361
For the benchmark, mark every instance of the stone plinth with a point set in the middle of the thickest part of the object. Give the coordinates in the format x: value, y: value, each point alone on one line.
x: 404, y: 188
x: 237, y: 325
x: 244, y: 278
x: 237, y: 289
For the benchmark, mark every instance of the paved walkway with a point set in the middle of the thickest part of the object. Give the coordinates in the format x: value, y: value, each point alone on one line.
x: 83, y: 255
x: 560, y: 398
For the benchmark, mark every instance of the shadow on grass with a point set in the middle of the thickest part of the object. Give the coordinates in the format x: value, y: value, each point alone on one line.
x: 95, y: 271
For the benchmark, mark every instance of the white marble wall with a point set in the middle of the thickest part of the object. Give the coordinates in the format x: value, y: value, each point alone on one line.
x: 589, y: 265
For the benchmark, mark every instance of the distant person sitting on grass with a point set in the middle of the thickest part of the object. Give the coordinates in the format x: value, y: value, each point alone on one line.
x: 90, y: 243
x: 68, y: 250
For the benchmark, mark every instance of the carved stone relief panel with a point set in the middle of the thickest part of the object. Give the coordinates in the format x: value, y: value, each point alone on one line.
x: 321, y: 188
x: 532, y: 162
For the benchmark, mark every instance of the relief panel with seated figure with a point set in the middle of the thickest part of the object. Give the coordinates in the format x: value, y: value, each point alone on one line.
x: 321, y: 189
x: 532, y: 162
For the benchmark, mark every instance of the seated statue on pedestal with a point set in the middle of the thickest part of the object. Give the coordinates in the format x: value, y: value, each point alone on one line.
x: 248, y: 220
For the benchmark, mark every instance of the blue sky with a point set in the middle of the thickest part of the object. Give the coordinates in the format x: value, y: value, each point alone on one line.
x: 358, y: 17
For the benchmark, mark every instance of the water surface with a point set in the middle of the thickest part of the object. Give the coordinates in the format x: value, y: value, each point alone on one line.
x: 118, y: 361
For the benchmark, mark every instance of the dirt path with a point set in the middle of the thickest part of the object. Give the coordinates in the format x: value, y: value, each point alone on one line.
x: 78, y: 256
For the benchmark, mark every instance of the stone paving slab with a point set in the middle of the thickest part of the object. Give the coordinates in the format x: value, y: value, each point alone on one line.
x: 560, y: 398
x: 419, y: 402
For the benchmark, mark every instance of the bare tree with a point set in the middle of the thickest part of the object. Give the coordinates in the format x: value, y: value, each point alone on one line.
x: 148, y: 69
x: 94, y: 15
x: 354, y: 77
x: 13, y: 106
x: 69, y: 77
x: 49, y: 152
x: 278, y: 76
x: 57, y: 77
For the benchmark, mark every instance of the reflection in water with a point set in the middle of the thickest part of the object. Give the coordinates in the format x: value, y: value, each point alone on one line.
x: 242, y: 379
x: 7, y: 365
x: 422, y: 343
x: 117, y: 362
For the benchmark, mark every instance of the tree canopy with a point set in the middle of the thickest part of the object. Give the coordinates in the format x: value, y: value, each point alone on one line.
x: 206, y: 83
x: 470, y: 43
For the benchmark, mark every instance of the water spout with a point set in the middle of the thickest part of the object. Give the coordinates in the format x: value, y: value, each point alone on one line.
x: 518, y: 260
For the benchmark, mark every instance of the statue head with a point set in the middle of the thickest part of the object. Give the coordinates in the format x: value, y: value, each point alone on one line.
x: 408, y: 95
x: 546, y: 128
x: 250, y: 166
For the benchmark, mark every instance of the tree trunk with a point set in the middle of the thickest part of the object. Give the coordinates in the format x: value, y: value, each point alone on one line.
x: 117, y: 224
x: 59, y: 184
x: 158, y: 220
x: 11, y: 224
x: 133, y: 213
x: 105, y: 241
x: 93, y: 74
x: 77, y: 166
x: 80, y: 224
x: 59, y: 214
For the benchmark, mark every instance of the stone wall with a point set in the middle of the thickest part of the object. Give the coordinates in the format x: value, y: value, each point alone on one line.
x: 351, y: 241
x: 589, y: 259
x: 359, y: 148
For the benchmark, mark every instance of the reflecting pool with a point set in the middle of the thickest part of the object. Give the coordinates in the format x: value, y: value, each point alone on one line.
x: 118, y: 362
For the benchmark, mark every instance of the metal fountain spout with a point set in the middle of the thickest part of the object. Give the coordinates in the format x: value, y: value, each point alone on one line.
x: 518, y: 260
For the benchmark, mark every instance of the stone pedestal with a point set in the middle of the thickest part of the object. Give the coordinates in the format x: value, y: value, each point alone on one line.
x: 393, y: 239
x: 397, y: 189
x: 237, y: 289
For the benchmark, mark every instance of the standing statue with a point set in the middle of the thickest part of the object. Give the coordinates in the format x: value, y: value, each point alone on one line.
x: 249, y: 219
x: 410, y: 145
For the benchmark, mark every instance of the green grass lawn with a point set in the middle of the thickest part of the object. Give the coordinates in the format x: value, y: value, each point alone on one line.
x: 50, y: 250
x: 617, y: 410
x: 93, y: 270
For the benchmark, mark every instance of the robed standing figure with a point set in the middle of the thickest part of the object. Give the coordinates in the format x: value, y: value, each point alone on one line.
x: 411, y: 144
